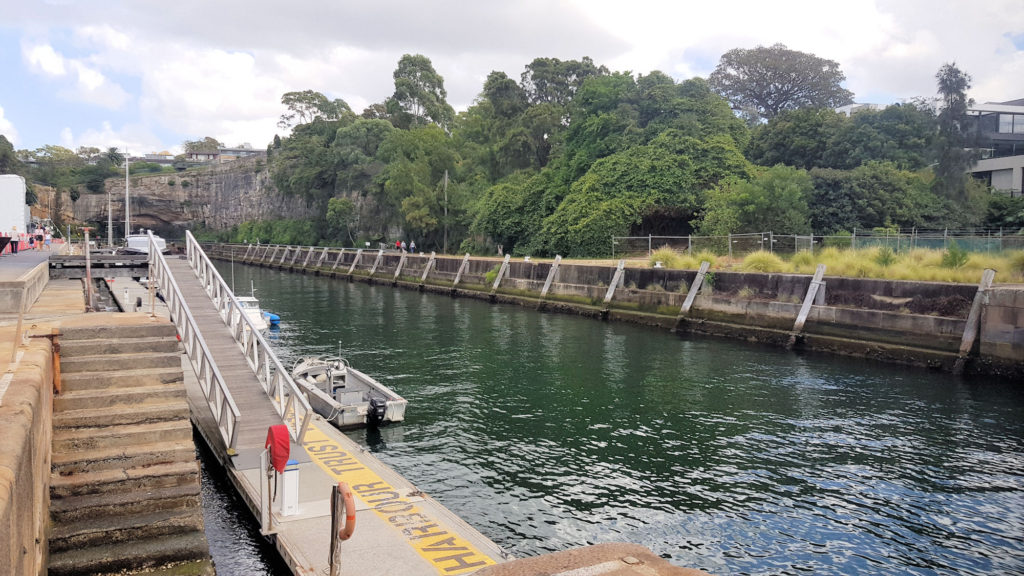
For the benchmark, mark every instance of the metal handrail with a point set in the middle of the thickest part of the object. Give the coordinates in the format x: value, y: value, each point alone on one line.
x: 288, y: 400
x: 214, y: 387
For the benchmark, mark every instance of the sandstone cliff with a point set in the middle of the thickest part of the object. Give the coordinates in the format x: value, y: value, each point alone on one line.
x: 215, y: 197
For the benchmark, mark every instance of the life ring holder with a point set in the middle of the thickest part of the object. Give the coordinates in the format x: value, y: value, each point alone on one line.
x: 349, y: 508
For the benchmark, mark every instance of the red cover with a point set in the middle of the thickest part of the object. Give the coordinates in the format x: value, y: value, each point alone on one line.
x: 280, y: 446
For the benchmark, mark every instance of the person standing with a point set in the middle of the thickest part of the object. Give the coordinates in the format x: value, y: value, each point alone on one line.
x: 403, y: 245
x: 398, y: 244
x: 39, y: 238
x: 412, y: 246
x: 15, y: 240
x: 47, y: 239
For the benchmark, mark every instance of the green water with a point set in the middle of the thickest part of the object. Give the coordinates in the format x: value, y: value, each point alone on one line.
x: 547, y: 432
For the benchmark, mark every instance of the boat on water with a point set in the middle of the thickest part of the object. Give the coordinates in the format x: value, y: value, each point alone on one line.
x: 251, y: 308
x: 139, y: 244
x: 346, y: 397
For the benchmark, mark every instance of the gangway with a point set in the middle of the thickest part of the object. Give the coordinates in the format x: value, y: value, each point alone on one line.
x: 239, y: 389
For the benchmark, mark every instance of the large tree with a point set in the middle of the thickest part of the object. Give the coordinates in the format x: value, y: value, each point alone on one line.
x: 207, y: 145
x: 419, y: 92
x: 762, y: 82
x: 309, y: 106
x: 953, y: 144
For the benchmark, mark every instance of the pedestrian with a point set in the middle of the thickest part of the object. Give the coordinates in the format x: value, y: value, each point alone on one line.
x: 15, y: 239
x: 412, y: 246
x: 48, y: 238
x: 398, y: 244
x: 39, y: 238
x: 403, y: 245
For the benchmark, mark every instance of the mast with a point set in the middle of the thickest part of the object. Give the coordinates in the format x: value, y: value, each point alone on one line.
x: 127, y: 204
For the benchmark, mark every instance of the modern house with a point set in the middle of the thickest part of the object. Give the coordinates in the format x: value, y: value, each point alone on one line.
x: 1000, y: 127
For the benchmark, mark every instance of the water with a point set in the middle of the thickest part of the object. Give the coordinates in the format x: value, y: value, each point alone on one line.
x: 547, y: 432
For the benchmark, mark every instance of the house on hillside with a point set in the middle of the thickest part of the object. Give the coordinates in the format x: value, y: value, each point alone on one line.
x: 1000, y: 127
x: 243, y: 151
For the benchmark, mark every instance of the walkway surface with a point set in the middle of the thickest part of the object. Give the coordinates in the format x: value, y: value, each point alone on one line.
x: 399, y: 529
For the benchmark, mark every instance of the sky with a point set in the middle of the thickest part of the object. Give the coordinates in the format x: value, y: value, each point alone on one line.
x: 147, y: 76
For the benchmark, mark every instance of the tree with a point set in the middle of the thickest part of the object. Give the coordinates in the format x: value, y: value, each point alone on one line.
x: 555, y: 81
x: 954, y: 139
x: 341, y: 213
x: 310, y: 106
x: 420, y: 93
x: 775, y: 200
x: 762, y: 82
x: 207, y: 145
x: 9, y: 162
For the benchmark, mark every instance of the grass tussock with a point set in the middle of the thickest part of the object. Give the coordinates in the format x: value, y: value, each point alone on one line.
x: 762, y: 261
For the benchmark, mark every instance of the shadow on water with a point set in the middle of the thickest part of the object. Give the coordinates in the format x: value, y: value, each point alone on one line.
x: 236, y: 546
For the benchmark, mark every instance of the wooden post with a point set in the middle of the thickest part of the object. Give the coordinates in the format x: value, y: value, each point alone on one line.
x: 247, y: 250
x: 501, y: 273
x: 401, y: 263
x: 338, y: 260
x: 973, y: 321
x: 462, y: 268
x: 617, y: 279
x: 376, y: 263
x: 698, y: 281
x: 426, y: 269
x: 308, y: 256
x: 812, y: 291
x: 358, y: 257
x: 295, y: 257
x: 551, y: 277
x: 323, y: 256
x: 284, y: 255
x: 272, y: 256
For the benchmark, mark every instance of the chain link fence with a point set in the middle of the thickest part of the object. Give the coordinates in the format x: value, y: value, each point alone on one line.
x: 739, y: 245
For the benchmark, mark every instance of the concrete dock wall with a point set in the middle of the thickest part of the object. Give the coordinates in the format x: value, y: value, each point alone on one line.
x: 33, y: 282
x: 918, y: 323
x: 26, y: 430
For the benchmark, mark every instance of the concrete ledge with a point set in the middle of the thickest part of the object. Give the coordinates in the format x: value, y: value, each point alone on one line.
x: 32, y: 281
x: 611, y: 559
x: 25, y: 414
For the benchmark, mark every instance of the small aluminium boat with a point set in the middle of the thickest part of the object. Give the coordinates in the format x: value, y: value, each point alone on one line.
x: 346, y: 397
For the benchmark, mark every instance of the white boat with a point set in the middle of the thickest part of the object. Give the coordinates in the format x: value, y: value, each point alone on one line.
x: 139, y: 244
x: 251, y: 307
x: 346, y: 397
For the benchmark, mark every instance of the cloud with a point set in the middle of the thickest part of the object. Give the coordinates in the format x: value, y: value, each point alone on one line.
x: 135, y: 138
x: 78, y: 81
x: 7, y: 129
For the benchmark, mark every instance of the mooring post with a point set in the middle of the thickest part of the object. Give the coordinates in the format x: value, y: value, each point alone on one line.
x: 380, y: 257
x: 462, y: 268
x: 358, y: 257
x: 551, y: 277
x: 973, y: 320
x: 617, y: 279
x: 501, y: 273
x: 698, y: 281
x: 338, y: 259
x: 426, y: 269
x: 805, y: 309
x: 398, y: 269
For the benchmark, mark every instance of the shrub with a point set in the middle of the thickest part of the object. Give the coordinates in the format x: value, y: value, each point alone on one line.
x: 802, y: 258
x: 668, y: 257
x: 1016, y: 260
x: 746, y: 292
x: 885, y: 257
x: 171, y: 182
x: 706, y: 255
x: 762, y: 261
x: 954, y: 257
x: 492, y: 275
x: 185, y: 183
x: 655, y: 288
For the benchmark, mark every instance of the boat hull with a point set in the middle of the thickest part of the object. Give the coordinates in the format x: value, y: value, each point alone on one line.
x: 342, y: 395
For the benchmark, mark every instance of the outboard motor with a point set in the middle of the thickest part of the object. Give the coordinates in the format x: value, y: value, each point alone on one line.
x: 375, y: 413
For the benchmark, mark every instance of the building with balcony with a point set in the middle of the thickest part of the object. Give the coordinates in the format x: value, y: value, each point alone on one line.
x: 1000, y: 131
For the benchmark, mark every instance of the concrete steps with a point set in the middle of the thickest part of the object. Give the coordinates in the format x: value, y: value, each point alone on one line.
x: 124, y: 482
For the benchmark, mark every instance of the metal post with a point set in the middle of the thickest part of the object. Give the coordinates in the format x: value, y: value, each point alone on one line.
x: 729, y: 240
x: 649, y: 251
x: 88, y: 268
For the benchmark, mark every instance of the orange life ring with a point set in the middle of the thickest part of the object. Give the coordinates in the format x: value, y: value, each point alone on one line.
x: 348, y: 501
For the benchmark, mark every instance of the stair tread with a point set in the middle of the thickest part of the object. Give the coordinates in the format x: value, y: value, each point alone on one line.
x: 68, y: 457
x: 126, y: 372
x: 92, y: 524
x: 99, y: 392
x: 111, y: 499
x: 99, y: 477
x: 121, y: 355
x: 164, y: 404
x: 137, y: 553
x: 92, y: 431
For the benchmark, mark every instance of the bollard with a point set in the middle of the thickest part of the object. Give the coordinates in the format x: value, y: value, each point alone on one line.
x: 290, y: 489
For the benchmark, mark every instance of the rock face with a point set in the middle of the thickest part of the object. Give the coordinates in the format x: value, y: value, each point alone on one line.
x: 215, y: 197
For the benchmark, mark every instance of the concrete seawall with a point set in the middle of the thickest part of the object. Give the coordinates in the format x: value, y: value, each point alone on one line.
x: 916, y: 323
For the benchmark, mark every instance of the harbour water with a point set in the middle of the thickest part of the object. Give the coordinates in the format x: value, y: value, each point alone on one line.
x: 547, y: 432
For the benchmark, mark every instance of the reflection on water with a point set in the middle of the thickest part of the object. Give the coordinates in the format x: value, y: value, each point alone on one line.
x: 547, y: 432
